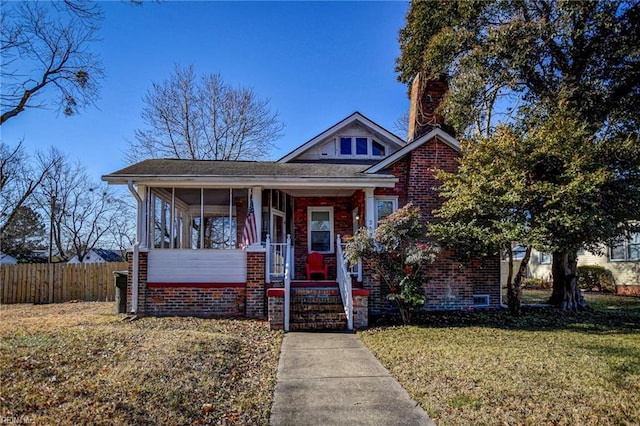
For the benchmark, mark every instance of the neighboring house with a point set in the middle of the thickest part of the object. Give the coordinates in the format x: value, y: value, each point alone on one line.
x: 6, y: 259
x: 192, y: 216
x: 622, y: 259
x: 98, y: 256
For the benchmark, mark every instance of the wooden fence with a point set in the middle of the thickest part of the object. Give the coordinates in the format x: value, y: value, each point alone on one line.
x: 58, y: 282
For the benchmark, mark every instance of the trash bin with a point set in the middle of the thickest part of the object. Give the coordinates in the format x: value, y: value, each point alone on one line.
x: 121, y: 291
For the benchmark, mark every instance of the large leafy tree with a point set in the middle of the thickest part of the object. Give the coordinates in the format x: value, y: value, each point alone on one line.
x: 565, y: 75
x: 204, y: 118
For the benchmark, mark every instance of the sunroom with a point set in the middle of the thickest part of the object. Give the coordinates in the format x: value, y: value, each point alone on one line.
x: 211, y: 235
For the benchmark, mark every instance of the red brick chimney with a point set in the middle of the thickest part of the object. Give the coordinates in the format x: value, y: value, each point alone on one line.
x: 426, y: 95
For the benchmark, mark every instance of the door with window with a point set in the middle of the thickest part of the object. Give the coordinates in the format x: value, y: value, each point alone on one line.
x: 320, y: 229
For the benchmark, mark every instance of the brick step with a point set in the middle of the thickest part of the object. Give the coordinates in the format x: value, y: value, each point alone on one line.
x: 302, y: 307
x: 333, y: 300
x: 324, y: 325
x: 316, y: 308
x: 316, y: 316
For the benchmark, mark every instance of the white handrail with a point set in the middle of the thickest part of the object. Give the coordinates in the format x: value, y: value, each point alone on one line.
x: 344, y: 283
x: 287, y: 283
x: 275, y: 260
x: 267, y: 260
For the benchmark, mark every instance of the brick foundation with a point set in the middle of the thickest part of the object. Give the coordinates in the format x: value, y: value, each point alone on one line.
x: 195, y: 300
x: 628, y: 290
x: 275, y: 298
x: 255, y: 291
x: 360, y: 309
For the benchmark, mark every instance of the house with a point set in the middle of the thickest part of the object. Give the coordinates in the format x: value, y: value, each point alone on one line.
x: 194, y: 215
x: 622, y: 259
x: 7, y: 260
x: 98, y: 256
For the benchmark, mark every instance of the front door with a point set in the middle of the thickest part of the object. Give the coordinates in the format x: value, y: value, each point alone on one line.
x: 278, y: 227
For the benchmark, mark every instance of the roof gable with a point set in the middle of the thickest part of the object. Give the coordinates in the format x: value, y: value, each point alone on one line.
x: 435, y: 133
x: 323, y: 146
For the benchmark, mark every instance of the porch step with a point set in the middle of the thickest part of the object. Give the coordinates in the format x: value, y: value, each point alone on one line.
x: 316, y: 308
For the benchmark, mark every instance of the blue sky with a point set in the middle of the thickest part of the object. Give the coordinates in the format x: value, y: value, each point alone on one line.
x: 318, y: 62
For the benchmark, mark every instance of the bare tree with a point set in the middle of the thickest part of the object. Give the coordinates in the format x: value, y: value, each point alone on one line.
x: 45, y: 56
x: 19, y: 178
x: 81, y: 214
x: 204, y: 118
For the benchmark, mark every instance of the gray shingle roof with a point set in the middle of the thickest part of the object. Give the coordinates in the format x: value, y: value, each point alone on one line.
x: 173, y: 167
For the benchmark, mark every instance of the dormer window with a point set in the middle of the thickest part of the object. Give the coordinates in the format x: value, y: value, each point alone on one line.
x: 360, y: 147
x: 345, y: 146
x: 377, y: 149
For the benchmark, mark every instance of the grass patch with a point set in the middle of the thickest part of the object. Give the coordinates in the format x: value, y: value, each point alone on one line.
x: 486, y: 367
x: 78, y: 363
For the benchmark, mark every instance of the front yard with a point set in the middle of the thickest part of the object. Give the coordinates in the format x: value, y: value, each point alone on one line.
x: 543, y: 368
x: 78, y: 363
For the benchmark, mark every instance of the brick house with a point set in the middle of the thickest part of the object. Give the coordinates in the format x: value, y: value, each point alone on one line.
x: 189, y: 258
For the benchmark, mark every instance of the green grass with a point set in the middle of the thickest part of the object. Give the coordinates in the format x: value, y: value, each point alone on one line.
x: 543, y: 368
x: 81, y: 364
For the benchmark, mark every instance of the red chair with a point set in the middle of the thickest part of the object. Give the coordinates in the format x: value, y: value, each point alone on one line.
x: 315, y: 265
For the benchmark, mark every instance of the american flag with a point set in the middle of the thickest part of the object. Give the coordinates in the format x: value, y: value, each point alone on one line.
x: 250, y: 234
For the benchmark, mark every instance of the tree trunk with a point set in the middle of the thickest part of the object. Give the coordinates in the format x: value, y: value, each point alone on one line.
x: 566, y: 295
x: 514, y: 287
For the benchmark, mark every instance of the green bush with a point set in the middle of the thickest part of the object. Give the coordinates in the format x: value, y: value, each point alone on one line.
x: 593, y: 277
x: 536, y: 283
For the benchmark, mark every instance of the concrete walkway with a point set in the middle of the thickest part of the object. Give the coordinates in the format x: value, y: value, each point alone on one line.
x: 333, y: 379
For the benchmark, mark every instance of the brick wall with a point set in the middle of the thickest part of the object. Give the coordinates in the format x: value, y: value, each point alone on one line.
x: 360, y: 308
x: 452, y: 284
x: 193, y: 300
x: 275, y: 298
x: 342, y: 224
x: 255, y: 290
x: 201, y: 299
x: 142, y: 280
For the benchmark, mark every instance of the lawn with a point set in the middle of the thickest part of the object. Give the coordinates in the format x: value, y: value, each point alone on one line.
x: 78, y: 363
x: 543, y: 368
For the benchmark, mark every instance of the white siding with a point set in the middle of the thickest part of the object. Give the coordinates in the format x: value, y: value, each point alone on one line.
x: 624, y: 273
x: 197, y: 266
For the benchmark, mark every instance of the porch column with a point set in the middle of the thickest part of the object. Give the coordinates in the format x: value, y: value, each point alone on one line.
x: 370, y: 208
x: 256, y: 197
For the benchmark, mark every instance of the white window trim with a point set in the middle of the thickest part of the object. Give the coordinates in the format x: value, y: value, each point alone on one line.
x: 312, y: 209
x: 368, y: 155
x: 392, y: 198
x: 625, y: 243
x: 546, y: 262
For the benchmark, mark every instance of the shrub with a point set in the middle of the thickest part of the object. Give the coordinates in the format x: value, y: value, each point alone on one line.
x: 537, y: 283
x: 401, y: 257
x: 594, y: 277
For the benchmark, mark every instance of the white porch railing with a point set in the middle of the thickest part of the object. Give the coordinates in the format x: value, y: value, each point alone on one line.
x: 344, y: 283
x: 287, y: 283
x: 277, y: 255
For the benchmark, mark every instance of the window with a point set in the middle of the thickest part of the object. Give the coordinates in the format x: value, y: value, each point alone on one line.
x: 545, y: 258
x: 345, y: 146
x: 195, y: 218
x: 626, y: 250
x: 378, y: 150
x: 360, y: 147
x: 385, y: 206
x: 320, y: 224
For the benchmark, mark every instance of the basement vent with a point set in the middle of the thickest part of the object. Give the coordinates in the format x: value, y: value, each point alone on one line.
x: 480, y: 300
